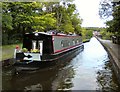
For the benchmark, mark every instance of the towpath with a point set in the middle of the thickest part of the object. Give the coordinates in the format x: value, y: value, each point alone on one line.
x: 114, y: 51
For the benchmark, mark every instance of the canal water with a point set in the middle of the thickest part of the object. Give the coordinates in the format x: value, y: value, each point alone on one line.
x: 89, y: 70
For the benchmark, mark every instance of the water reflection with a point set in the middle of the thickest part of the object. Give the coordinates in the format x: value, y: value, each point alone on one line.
x: 63, y: 80
x: 30, y: 81
x: 88, y: 63
x: 106, y: 78
x: 89, y: 70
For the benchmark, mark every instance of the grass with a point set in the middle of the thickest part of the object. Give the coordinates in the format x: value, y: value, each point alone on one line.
x: 8, y: 51
x: 86, y: 40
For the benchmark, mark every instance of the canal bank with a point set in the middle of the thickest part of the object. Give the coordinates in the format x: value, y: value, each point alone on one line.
x: 114, y: 55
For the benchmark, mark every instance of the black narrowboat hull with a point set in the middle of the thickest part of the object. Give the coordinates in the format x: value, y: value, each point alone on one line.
x: 51, y: 60
x: 46, y: 50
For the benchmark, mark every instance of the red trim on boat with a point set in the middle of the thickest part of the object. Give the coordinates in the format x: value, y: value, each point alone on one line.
x: 53, y: 43
x: 71, y: 47
x: 63, y: 54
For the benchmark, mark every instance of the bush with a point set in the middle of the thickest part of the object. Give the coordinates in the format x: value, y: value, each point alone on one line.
x: 106, y: 35
x: 13, y: 39
x: 4, y: 39
x: 86, y: 34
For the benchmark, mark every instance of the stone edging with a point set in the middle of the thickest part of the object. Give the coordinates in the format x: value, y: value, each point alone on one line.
x: 114, y: 60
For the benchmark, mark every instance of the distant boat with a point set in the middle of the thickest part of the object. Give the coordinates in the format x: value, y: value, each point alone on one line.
x: 41, y: 47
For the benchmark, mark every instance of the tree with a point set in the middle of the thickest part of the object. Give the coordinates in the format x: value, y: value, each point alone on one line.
x: 67, y: 19
x: 76, y: 22
x: 86, y: 34
x: 6, y: 19
x: 22, y: 17
x: 7, y: 25
x: 28, y: 17
x: 114, y: 25
x: 44, y: 22
x: 110, y: 9
x: 105, y: 9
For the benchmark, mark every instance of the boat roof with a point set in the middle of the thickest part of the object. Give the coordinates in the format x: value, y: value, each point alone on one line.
x: 53, y: 33
x: 38, y: 33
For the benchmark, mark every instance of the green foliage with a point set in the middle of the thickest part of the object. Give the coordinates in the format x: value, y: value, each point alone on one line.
x: 22, y: 17
x: 28, y: 16
x: 24, y: 50
x: 43, y: 22
x: 76, y: 22
x: 6, y: 18
x: 67, y: 28
x: 67, y: 19
x: 86, y: 34
x: 105, y: 35
x: 35, y: 50
x: 114, y: 25
x: 7, y: 22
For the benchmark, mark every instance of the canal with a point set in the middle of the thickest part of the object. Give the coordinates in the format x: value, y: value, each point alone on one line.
x: 89, y: 70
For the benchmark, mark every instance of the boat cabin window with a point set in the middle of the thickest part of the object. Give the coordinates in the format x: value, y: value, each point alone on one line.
x: 65, y: 43
x: 77, y: 41
x: 73, y: 42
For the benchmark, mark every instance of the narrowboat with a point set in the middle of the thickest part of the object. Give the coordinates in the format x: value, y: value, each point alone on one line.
x: 46, y: 47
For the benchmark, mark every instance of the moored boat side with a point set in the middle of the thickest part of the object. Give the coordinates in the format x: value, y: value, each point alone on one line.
x: 40, y: 47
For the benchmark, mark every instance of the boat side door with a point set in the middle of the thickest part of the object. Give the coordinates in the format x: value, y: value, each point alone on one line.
x: 40, y: 45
